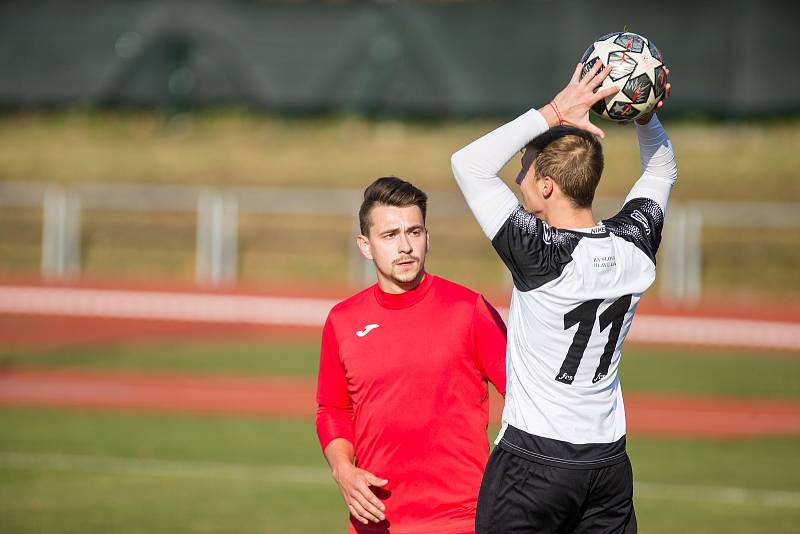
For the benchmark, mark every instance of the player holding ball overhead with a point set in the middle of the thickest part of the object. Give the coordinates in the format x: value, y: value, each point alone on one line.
x: 560, y: 464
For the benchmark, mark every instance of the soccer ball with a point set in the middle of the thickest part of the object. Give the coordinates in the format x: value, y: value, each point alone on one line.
x: 637, y: 69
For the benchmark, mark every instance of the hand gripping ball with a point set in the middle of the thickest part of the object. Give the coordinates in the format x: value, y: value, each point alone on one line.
x: 637, y: 69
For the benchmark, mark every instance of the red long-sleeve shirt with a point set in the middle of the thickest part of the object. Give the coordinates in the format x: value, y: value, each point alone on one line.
x: 404, y: 378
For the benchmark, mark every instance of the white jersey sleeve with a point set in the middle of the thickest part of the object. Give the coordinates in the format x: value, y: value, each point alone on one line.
x: 477, y: 165
x: 659, y: 171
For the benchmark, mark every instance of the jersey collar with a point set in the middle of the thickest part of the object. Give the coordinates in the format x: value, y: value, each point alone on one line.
x: 599, y: 230
x: 397, y: 301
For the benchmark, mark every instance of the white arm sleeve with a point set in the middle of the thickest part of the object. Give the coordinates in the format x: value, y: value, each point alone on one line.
x: 659, y: 171
x: 476, y: 166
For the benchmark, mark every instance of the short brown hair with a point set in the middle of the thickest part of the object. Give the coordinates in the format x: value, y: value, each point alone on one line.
x: 573, y: 158
x: 390, y: 191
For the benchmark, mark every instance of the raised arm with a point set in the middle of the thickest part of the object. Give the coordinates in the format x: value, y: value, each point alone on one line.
x: 659, y: 170
x: 476, y: 168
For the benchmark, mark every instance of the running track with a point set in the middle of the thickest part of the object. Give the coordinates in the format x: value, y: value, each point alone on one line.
x: 32, y: 315
x: 235, y: 311
x: 279, y: 397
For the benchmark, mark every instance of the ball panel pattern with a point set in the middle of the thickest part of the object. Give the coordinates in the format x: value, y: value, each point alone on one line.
x: 630, y: 42
x: 638, y: 89
x: 637, y: 70
x: 622, y: 64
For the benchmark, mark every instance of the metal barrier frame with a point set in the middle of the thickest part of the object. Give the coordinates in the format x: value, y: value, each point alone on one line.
x: 218, y: 211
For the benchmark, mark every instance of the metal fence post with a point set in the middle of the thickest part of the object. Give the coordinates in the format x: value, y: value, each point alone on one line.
x: 360, y: 268
x: 216, y: 259
x: 60, y: 235
x: 681, y: 259
x: 694, y: 256
x: 231, y: 239
x: 671, y: 261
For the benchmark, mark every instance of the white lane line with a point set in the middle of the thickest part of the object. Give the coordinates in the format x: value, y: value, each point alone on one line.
x: 320, y: 476
x: 714, y: 331
x: 165, y: 306
x: 718, y: 494
x: 311, y: 312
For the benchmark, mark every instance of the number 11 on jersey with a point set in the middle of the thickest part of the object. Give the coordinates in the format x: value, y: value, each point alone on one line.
x: 584, y: 316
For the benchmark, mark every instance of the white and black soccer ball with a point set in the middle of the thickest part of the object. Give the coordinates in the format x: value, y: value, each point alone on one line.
x: 637, y: 69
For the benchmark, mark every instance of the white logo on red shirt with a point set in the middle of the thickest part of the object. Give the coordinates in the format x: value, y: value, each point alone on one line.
x: 362, y: 333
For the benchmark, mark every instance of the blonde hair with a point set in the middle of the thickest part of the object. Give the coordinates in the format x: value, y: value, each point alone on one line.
x: 573, y: 158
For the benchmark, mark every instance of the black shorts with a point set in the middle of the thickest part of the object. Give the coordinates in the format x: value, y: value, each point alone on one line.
x: 518, y: 495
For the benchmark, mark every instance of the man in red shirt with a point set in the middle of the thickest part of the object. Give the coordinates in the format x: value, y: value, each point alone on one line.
x: 402, y: 389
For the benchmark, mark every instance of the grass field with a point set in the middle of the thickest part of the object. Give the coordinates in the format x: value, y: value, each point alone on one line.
x: 717, y: 161
x: 73, y: 471
x: 78, y: 472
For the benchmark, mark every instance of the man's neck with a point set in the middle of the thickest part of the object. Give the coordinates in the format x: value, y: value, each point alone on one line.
x: 395, y: 287
x: 571, y: 218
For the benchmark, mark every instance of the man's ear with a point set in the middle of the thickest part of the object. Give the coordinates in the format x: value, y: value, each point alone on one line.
x: 363, y: 245
x: 547, y: 186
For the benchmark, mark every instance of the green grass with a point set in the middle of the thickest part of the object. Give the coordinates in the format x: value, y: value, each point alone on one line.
x: 79, y: 472
x: 667, y: 370
x: 716, y: 486
x: 750, y: 463
x: 731, y: 258
x: 209, y: 357
x: 711, y: 372
x: 83, y: 472
x: 167, y: 437
x: 716, y: 161
x: 73, y: 471
x: 68, y: 471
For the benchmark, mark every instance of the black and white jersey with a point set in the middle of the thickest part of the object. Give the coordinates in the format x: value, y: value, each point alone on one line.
x: 575, y: 293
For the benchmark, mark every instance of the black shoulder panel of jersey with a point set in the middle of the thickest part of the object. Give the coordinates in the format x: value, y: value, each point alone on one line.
x: 640, y: 222
x: 534, y: 252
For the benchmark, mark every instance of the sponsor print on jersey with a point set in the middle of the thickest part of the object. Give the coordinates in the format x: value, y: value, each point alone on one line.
x: 599, y: 229
x: 640, y: 222
x: 546, y: 234
x: 604, y: 262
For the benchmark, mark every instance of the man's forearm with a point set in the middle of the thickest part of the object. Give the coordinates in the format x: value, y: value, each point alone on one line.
x: 355, y: 483
x: 475, y: 168
x: 339, y: 453
x: 659, y: 170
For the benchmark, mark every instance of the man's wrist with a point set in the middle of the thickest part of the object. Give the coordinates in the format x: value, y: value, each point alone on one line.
x: 339, y: 467
x: 549, y: 114
x: 649, y: 118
